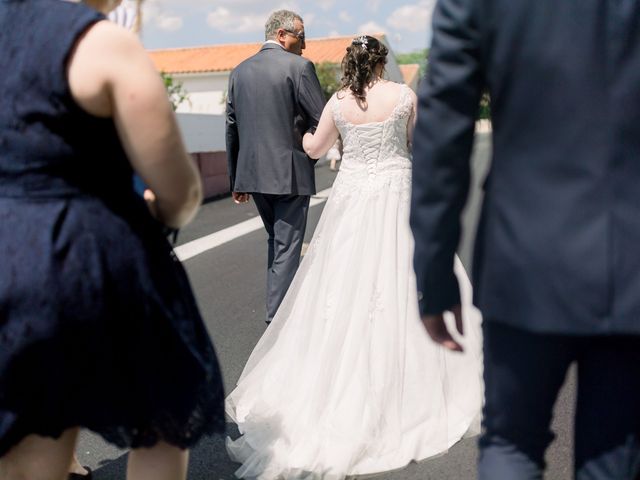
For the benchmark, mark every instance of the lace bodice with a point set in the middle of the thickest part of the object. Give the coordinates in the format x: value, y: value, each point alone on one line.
x: 375, y: 154
x: 376, y: 146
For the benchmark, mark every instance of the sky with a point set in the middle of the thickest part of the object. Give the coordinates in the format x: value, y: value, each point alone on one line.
x: 185, y: 23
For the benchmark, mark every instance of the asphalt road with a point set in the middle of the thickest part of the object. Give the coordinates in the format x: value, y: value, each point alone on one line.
x: 229, y: 284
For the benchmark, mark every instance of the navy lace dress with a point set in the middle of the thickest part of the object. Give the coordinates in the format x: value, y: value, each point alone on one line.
x: 98, y: 324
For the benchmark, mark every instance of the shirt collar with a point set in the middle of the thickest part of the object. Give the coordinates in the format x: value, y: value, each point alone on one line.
x: 274, y: 42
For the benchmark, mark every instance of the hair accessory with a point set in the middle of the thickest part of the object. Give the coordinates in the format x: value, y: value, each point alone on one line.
x: 361, y: 40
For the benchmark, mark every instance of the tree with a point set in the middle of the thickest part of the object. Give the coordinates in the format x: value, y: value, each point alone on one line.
x: 484, y: 112
x: 329, y: 76
x: 419, y: 57
x: 175, y: 90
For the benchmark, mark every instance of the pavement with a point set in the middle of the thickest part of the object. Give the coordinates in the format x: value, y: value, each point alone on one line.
x: 228, y: 282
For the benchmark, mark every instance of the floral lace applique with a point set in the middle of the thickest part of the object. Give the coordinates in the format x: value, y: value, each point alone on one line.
x: 375, y: 304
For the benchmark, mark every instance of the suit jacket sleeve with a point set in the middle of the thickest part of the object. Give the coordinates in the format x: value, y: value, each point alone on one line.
x: 311, y: 97
x: 443, y: 139
x: 232, y: 138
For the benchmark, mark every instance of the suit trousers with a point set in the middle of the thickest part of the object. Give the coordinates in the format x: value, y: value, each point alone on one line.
x: 285, y: 219
x: 523, y: 374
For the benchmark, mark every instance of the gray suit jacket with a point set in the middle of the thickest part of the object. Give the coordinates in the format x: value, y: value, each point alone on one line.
x: 558, y: 247
x: 274, y: 98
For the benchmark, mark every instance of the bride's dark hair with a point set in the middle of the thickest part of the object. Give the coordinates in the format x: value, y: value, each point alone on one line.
x: 359, y: 64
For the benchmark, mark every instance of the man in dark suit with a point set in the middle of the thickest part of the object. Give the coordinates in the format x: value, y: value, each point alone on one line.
x: 557, y: 261
x: 274, y: 98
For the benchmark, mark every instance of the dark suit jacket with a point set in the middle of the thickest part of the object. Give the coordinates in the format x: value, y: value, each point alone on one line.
x: 558, y: 247
x: 274, y: 98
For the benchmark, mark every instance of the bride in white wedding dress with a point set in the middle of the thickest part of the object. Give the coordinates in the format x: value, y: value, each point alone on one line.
x: 345, y: 381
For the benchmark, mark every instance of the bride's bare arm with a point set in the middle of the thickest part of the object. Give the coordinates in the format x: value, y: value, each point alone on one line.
x: 317, y: 144
x: 111, y: 75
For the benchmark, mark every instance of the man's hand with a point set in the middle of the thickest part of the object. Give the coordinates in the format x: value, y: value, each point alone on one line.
x: 437, y: 329
x: 239, y: 197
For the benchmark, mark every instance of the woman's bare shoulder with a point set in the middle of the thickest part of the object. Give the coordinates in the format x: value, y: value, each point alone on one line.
x: 105, y: 56
x: 107, y: 37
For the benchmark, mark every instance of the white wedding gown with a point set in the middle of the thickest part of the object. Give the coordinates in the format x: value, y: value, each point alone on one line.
x: 345, y: 381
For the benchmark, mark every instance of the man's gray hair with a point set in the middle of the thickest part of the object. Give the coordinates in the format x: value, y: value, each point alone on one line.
x: 280, y: 19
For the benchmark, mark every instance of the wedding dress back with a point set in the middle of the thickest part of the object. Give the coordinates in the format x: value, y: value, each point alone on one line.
x: 345, y: 380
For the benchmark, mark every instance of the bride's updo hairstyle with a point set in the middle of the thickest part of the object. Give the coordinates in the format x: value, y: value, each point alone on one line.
x: 358, y: 65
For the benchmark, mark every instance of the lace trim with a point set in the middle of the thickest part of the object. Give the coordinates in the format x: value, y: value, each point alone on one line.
x: 375, y: 304
x: 405, y: 105
x: 338, y: 119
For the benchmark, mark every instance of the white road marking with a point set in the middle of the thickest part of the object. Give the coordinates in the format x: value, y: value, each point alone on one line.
x: 208, y: 242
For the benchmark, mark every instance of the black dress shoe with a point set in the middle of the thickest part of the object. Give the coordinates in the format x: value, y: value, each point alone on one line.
x: 79, y: 476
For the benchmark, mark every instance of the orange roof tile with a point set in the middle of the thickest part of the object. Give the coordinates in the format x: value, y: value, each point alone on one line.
x: 409, y: 72
x: 223, y: 58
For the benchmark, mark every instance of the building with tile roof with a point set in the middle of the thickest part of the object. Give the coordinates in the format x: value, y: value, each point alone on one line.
x: 204, y: 71
x: 411, y: 75
x: 204, y: 75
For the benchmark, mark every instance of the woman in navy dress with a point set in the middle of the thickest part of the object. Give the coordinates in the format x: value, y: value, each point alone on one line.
x: 98, y: 324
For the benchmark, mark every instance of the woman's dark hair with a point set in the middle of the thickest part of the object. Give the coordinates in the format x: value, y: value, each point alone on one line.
x: 359, y: 64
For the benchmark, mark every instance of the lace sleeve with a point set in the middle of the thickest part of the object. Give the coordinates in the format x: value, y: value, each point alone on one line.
x: 338, y: 119
x: 405, y: 104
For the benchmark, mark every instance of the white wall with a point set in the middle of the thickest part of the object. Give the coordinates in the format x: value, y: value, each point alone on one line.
x: 206, y: 92
x: 202, y: 133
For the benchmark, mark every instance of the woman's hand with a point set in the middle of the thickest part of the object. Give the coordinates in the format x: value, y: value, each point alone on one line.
x: 150, y: 198
x: 307, y: 140
x: 239, y: 197
x: 111, y: 76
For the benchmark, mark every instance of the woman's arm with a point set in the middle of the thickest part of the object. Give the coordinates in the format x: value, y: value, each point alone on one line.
x: 317, y: 144
x: 111, y: 75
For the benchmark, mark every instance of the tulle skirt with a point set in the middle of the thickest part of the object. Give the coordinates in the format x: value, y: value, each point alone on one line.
x: 345, y: 381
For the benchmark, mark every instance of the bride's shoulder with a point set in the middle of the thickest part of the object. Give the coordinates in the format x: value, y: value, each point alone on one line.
x: 402, y: 97
x: 403, y: 90
x: 389, y: 89
x: 340, y: 94
x: 395, y: 86
x: 393, y: 90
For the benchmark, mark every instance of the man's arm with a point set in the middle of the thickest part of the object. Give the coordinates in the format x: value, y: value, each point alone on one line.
x: 232, y: 138
x: 310, y: 96
x: 442, y: 143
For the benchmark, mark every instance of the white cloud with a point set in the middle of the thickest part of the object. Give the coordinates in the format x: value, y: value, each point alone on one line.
x: 155, y: 13
x: 208, y: 4
x: 344, y: 16
x: 412, y: 18
x: 309, y: 19
x: 370, y: 27
x: 169, y: 23
x: 325, y: 4
x: 333, y: 33
x: 225, y: 20
x: 373, y: 5
x: 244, y: 16
x: 150, y: 11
